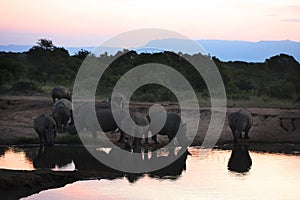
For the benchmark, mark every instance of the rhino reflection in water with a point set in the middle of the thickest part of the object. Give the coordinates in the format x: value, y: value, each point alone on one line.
x: 240, y: 160
x: 84, y: 161
x: 50, y: 157
x: 173, y: 170
x: 62, y: 156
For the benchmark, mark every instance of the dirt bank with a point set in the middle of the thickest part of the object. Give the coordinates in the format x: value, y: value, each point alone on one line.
x: 270, y: 125
x: 15, y: 184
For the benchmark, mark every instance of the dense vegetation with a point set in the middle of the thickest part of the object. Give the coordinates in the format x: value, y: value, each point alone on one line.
x: 47, y: 65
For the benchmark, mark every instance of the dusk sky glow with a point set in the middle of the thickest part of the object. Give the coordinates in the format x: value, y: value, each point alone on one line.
x: 89, y: 23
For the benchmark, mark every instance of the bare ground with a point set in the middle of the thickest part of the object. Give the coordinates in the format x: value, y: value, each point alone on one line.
x: 271, y: 125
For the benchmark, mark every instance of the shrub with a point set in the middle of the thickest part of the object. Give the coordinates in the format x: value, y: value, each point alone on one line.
x: 281, y: 89
x: 26, y: 86
x: 5, y: 76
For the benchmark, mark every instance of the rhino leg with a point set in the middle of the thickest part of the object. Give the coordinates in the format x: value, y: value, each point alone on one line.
x: 171, y: 137
x: 246, y: 135
x: 233, y: 134
x: 121, y: 137
x: 137, y: 145
x: 146, y: 140
x: 72, y: 118
x: 240, y: 136
x: 53, y: 98
x: 235, y: 140
x: 154, y: 138
x: 59, y: 127
x: 41, y: 140
x: 65, y: 126
x: 146, y: 137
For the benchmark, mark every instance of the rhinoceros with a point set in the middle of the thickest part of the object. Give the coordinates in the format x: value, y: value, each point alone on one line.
x: 240, y: 121
x: 44, y: 125
x: 62, y: 113
x: 133, y: 139
x: 61, y: 92
x: 173, y: 125
x: 104, y: 116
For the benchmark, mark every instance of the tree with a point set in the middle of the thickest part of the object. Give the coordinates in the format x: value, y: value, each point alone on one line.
x: 281, y: 89
x: 45, y: 44
x: 49, y: 60
x: 82, y: 54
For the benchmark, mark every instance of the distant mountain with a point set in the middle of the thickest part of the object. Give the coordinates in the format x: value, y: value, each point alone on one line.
x: 250, y: 51
x: 223, y: 49
x: 232, y: 50
x: 15, y: 48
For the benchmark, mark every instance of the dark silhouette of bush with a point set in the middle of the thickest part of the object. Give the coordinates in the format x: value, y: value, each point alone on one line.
x: 25, y: 86
x: 47, y: 64
x: 281, y: 89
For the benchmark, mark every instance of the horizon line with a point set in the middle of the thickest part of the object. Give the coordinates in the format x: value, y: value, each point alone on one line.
x: 11, y: 44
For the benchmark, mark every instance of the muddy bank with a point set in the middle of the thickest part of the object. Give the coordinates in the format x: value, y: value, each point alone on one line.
x: 15, y: 184
x: 270, y: 125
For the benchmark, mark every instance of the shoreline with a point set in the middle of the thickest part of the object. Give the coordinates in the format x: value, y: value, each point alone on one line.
x: 281, y: 148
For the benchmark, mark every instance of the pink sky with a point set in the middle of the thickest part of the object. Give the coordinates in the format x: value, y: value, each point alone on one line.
x: 89, y: 23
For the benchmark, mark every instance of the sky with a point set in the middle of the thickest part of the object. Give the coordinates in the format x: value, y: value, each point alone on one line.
x: 91, y: 22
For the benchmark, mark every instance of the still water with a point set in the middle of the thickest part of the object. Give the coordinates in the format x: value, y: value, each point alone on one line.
x: 223, y: 174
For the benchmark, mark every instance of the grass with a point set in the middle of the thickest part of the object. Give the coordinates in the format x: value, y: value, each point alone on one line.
x: 27, y: 140
x: 263, y: 102
x: 67, y: 139
x: 233, y: 100
x: 60, y: 139
x: 253, y: 102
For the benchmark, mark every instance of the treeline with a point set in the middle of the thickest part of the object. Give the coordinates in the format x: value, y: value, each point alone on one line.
x: 46, y: 64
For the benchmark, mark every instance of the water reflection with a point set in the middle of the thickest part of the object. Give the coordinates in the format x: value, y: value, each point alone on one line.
x: 240, y: 160
x: 3, y: 150
x: 78, y: 158
x: 175, y: 169
x: 48, y: 157
x: 204, y: 179
x: 83, y: 160
x: 195, y: 178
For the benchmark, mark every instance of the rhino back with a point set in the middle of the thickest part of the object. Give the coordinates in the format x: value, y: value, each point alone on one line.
x: 61, y: 92
x: 106, y: 120
x: 238, y: 121
x: 249, y: 117
x: 42, y: 121
x: 62, y: 113
x: 63, y: 102
x: 172, y: 123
